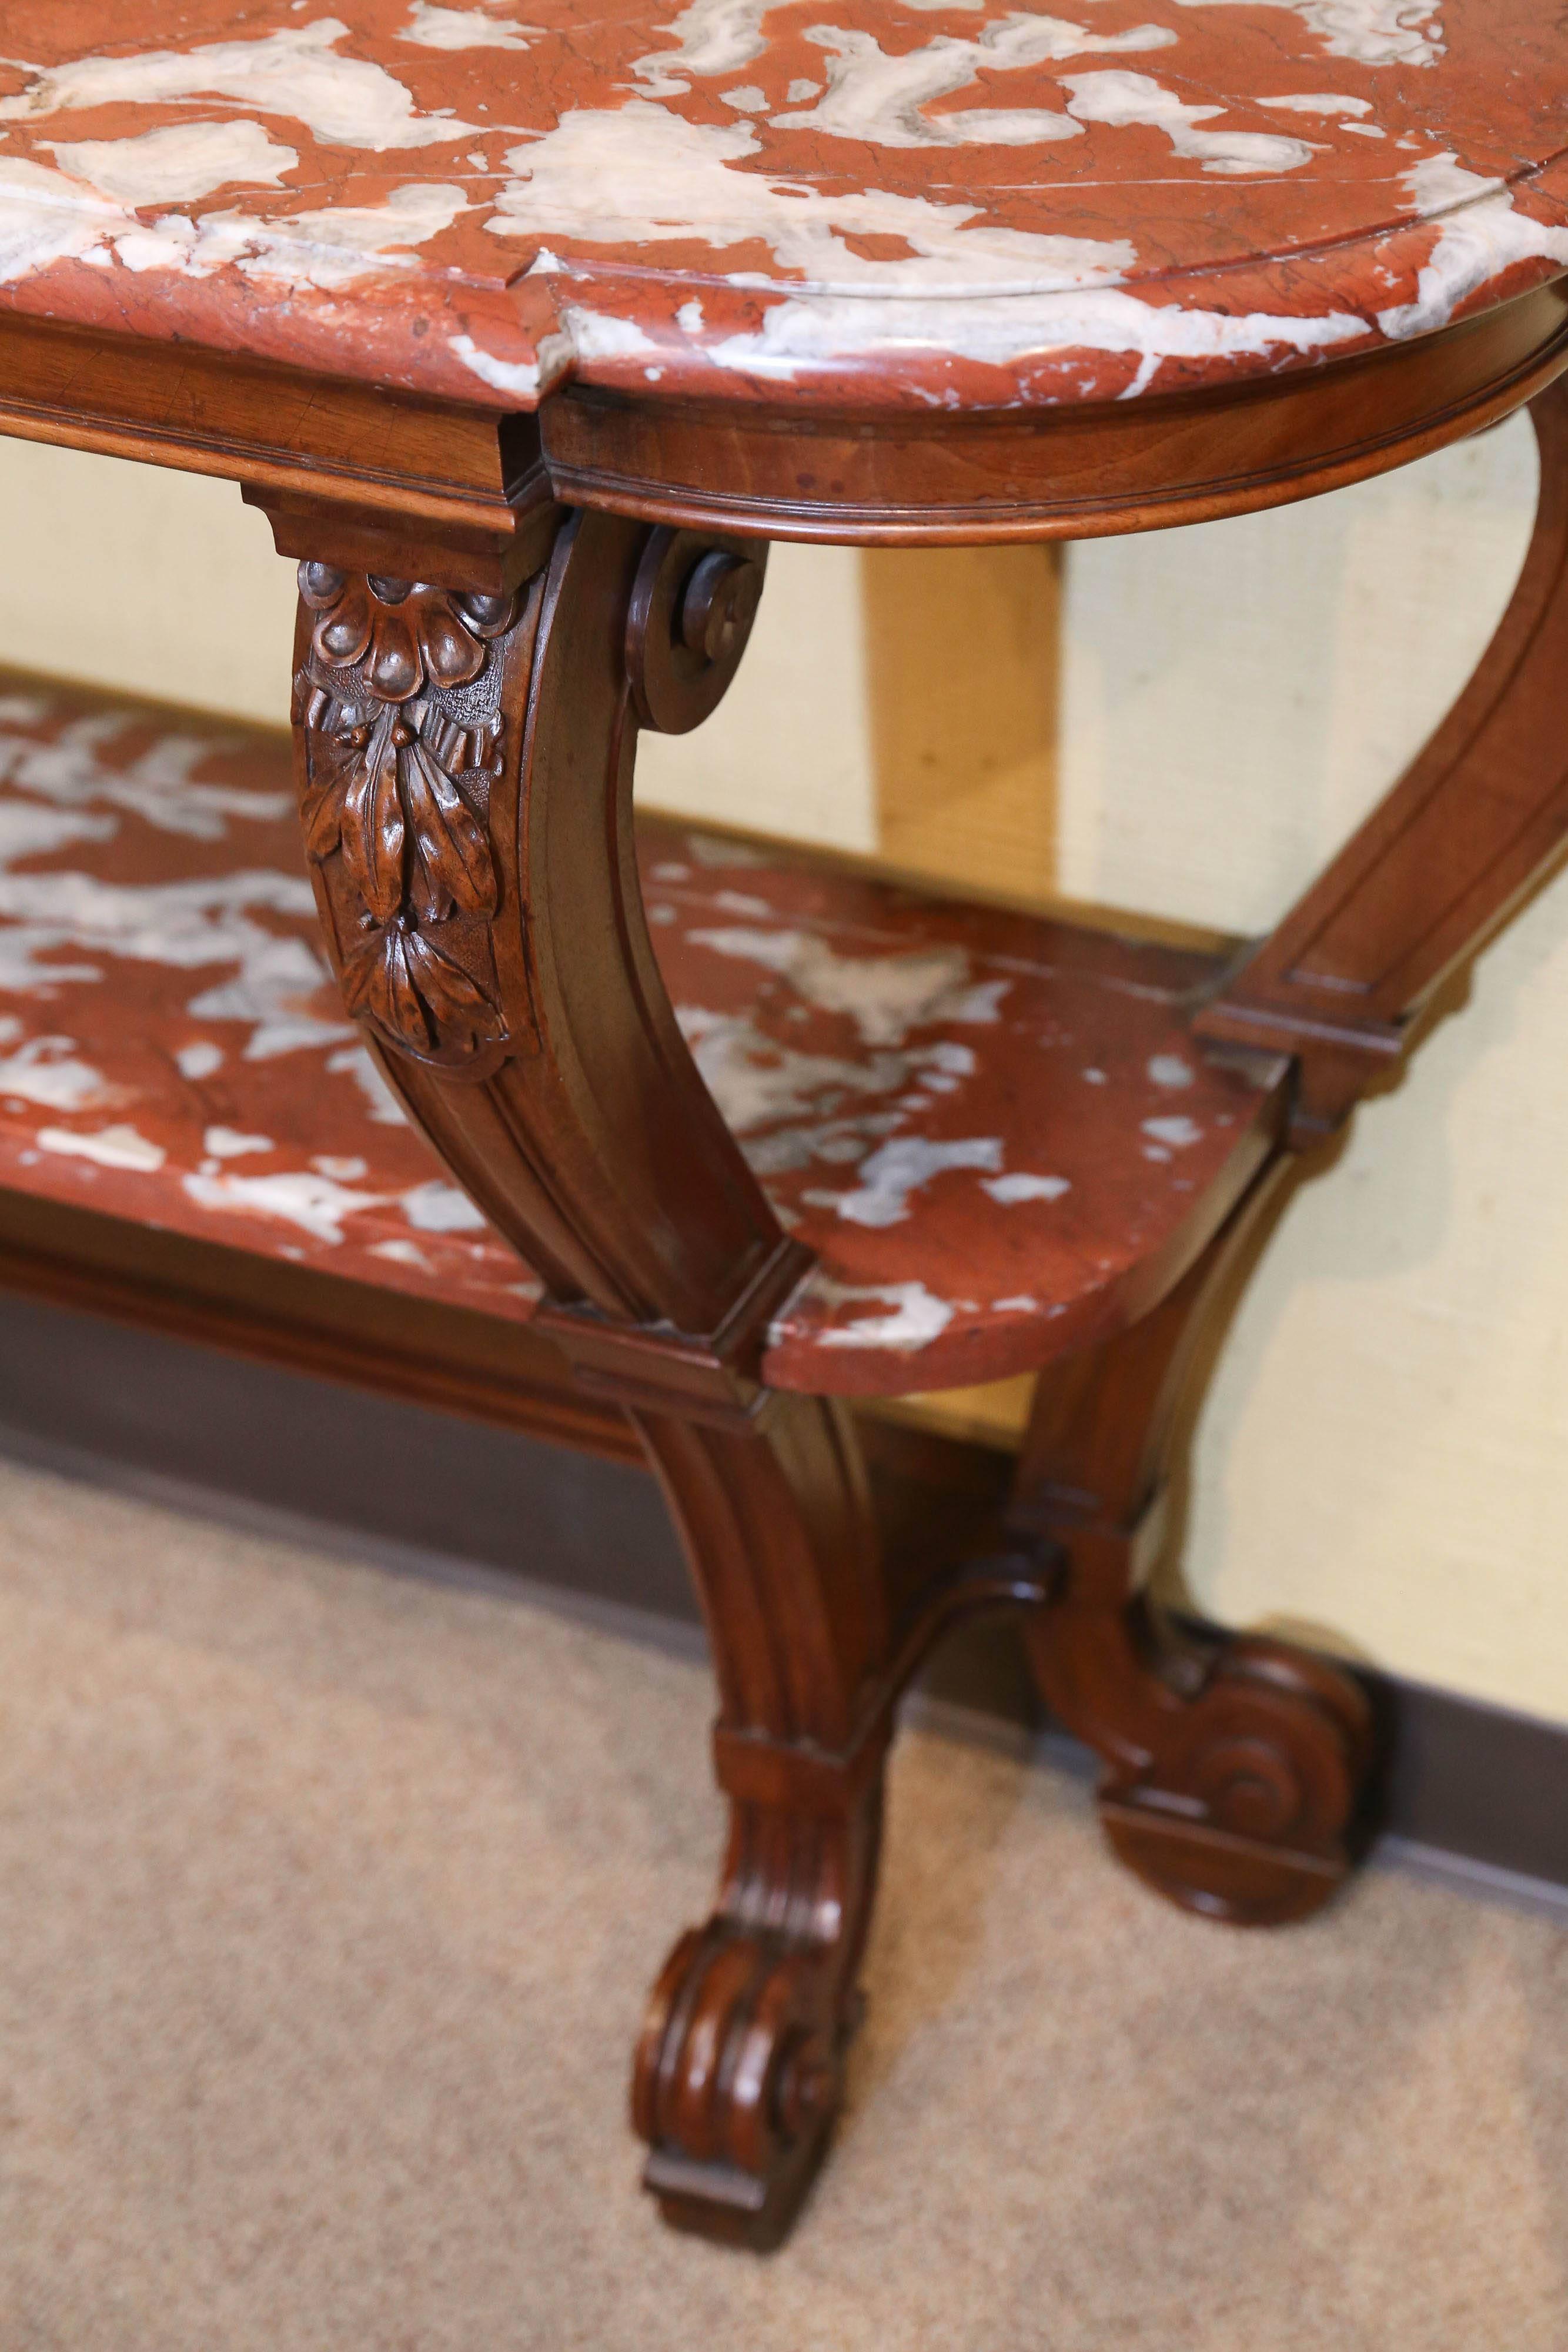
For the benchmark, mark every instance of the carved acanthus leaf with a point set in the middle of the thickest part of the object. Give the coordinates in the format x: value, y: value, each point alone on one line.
x: 396, y: 786
x: 370, y: 826
x: 400, y: 980
x: 452, y: 866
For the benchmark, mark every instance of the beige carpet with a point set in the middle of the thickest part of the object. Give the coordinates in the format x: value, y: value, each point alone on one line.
x: 327, y: 1903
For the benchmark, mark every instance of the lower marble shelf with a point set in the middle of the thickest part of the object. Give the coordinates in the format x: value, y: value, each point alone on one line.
x: 994, y: 1131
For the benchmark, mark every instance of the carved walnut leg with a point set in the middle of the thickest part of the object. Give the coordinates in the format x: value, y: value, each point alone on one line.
x: 818, y: 1623
x: 466, y: 774
x: 1234, y: 1773
x: 740, y: 2068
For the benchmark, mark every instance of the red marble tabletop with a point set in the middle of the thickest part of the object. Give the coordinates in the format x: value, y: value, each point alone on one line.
x: 991, y: 1130
x: 954, y: 202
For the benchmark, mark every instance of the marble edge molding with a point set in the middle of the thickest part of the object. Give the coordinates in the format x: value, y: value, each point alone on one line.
x: 659, y: 333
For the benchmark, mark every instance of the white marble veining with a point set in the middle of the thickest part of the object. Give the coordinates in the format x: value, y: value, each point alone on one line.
x: 177, y: 162
x: 1118, y: 98
x: 886, y: 996
x: 120, y: 1145
x: 526, y: 380
x: 882, y: 97
x: 299, y: 71
x: 441, y: 1208
x: 758, y: 1083
x: 888, y: 1176
x: 857, y: 272
x: 48, y: 214
x: 228, y: 1143
x: 1019, y: 1185
x: 968, y: 286
x: 314, y: 1203
x: 1320, y: 102
x: 1178, y: 1133
x: 915, y: 1318
x: 328, y: 248
x: 638, y: 174
x: 432, y: 27
x: 47, y: 1070
x: 1482, y: 235
x: 63, y: 926
x: 1374, y: 32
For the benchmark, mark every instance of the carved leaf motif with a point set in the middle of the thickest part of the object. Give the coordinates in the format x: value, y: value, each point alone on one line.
x: 319, y: 813
x: 453, y: 654
x: 396, y: 662
x: 452, y: 863
x: 456, y: 1001
x: 414, y: 992
x: 386, y: 768
x: 342, y: 630
x: 372, y: 821
x: 336, y: 751
x: 404, y: 631
x: 377, y: 983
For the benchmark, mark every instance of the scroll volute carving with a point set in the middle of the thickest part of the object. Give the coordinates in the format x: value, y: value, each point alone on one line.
x: 693, y: 604
x: 397, y: 696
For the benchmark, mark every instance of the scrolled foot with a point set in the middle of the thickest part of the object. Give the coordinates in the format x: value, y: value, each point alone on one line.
x: 738, y: 2077
x: 1247, y: 1809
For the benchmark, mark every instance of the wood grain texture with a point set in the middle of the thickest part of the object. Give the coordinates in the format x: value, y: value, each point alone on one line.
x: 820, y: 1610
x: 350, y: 471
x: 365, y: 1336
x: 374, y: 479
x: 494, y: 833
x: 739, y: 2069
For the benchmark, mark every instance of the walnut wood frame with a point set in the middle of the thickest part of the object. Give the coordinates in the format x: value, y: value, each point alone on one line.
x: 490, y: 613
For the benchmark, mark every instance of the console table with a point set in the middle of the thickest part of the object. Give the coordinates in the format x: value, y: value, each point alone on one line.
x: 528, y: 327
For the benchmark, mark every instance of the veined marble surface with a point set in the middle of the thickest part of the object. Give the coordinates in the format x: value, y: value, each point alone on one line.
x: 961, y: 202
x: 981, y: 1123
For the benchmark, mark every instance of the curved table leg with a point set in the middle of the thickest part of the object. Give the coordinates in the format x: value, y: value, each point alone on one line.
x: 465, y: 765
x: 1235, y: 1772
x: 740, y: 2068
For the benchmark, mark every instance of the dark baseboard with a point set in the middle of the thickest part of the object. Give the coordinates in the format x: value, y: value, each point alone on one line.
x: 1474, y: 1792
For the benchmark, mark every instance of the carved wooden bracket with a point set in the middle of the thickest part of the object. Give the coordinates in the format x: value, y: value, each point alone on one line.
x: 465, y: 769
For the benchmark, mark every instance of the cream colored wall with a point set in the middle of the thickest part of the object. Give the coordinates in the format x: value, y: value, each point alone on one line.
x: 846, y: 725
x: 791, y: 753
x: 156, y: 582
x: 1181, y: 726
